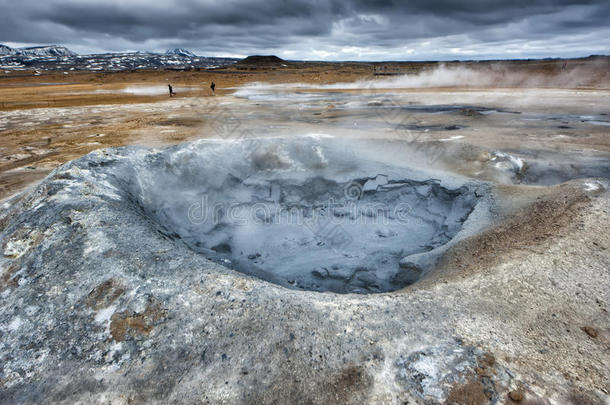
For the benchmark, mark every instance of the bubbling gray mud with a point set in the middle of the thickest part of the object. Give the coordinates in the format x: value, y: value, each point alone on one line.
x: 302, y: 213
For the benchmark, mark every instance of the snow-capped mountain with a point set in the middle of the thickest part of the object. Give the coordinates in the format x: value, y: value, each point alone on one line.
x: 52, y: 50
x: 61, y: 58
x: 6, y: 50
x: 180, y: 52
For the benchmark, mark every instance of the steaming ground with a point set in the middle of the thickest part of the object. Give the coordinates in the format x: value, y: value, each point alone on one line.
x: 557, y: 128
x: 532, y: 136
x: 127, y: 277
x: 507, y: 136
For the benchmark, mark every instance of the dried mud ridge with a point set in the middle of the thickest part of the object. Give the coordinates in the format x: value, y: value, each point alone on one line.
x: 101, y: 301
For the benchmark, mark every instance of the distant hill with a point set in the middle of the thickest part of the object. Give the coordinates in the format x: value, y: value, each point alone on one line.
x: 61, y: 58
x: 262, y: 60
x: 52, y: 50
x: 37, y: 51
x: 6, y: 50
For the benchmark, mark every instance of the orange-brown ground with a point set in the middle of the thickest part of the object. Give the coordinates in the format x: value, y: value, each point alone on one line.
x: 59, y: 118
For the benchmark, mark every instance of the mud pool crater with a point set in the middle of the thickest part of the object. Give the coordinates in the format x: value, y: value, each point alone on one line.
x: 300, y: 213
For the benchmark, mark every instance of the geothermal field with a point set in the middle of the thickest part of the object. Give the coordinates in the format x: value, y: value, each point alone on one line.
x: 308, y: 233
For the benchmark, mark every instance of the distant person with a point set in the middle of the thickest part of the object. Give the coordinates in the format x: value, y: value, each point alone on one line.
x: 213, y: 87
x: 171, y: 90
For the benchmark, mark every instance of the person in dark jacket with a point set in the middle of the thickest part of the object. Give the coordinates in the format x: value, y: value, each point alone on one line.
x: 171, y: 90
x: 213, y: 87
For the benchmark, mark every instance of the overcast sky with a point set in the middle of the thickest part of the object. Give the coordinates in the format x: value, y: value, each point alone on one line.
x: 316, y: 29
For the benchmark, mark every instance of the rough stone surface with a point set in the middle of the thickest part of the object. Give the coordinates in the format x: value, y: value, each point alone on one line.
x: 100, y: 305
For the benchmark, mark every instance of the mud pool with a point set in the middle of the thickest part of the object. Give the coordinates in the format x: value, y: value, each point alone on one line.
x: 303, y: 212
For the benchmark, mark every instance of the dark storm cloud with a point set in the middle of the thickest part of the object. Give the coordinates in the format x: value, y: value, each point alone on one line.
x: 331, y: 29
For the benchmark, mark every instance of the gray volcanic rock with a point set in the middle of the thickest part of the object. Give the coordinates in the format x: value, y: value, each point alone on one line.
x: 103, y: 301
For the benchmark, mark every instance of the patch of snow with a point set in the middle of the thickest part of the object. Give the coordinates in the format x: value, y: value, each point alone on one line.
x: 597, y: 122
x: 592, y: 186
x: 507, y: 162
x: 452, y: 138
x: 317, y: 135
